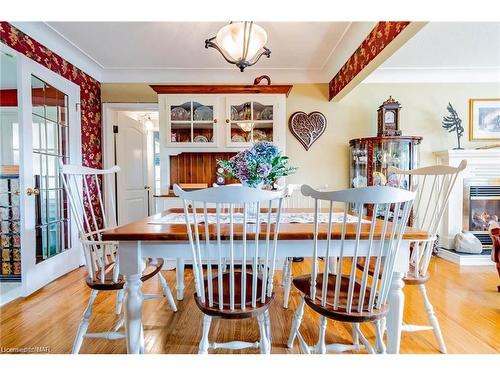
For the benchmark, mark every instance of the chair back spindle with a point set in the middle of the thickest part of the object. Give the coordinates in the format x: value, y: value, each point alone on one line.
x: 225, y: 242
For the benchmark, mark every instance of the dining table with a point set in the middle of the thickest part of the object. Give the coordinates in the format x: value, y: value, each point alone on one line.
x: 155, y: 237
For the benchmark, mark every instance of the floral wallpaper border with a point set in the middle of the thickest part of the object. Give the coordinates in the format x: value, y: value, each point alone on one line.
x: 381, y: 35
x: 90, y: 88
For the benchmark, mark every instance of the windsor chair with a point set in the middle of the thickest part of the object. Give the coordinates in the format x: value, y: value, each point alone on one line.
x: 342, y: 295
x: 243, y: 288
x: 433, y: 187
x: 101, y: 257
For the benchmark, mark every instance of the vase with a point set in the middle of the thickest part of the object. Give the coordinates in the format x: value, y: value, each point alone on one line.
x: 260, y: 185
x: 252, y: 207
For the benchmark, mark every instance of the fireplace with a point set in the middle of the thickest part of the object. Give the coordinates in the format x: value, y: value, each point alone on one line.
x: 481, y: 205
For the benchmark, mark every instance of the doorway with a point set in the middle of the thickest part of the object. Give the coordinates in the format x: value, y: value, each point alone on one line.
x: 130, y: 133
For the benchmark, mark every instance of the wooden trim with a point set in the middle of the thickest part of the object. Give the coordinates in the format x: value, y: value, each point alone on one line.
x: 222, y: 89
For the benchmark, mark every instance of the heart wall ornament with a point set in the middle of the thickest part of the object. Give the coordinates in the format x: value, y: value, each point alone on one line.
x: 307, y: 128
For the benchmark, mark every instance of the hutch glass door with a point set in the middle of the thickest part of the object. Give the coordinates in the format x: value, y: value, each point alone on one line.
x: 249, y: 121
x: 191, y: 122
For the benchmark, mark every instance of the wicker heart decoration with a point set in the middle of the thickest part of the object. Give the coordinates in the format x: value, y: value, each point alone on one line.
x: 307, y: 128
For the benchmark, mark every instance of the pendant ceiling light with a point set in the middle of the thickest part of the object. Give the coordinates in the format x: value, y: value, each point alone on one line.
x: 241, y: 43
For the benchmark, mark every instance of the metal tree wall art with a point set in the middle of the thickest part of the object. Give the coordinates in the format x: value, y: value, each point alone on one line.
x: 453, y: 123
x: 307, y: 128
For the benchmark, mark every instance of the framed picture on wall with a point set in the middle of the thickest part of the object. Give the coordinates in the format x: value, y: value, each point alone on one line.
x: 484, y: 119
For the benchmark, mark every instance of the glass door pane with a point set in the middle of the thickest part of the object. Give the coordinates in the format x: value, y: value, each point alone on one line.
x: 192, y: 122
x: 50, y: 145
x: 180, y: 123
x: 10, y: 214
x: 241, y: 123
x: 263, y: 122
x: 203, y: 123
x: 251, y: 122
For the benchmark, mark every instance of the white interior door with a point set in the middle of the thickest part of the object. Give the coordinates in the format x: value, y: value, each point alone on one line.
x: 49, y: 132
x: 133, y: 188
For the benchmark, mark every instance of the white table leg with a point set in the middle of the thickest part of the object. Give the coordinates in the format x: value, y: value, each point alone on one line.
x: 395, y: 315
x: 180, y: 279
x: 131, y: 266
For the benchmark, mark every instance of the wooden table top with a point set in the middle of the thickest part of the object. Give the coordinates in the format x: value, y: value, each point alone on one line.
x: 142, y: 230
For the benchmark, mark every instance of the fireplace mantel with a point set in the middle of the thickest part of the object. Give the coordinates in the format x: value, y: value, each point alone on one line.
x: 481, y: 164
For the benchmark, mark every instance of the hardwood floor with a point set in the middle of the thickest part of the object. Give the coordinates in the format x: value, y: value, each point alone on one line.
x: 465, y: 300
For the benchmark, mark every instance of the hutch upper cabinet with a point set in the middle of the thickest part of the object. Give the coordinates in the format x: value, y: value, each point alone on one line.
x: 225, y: 118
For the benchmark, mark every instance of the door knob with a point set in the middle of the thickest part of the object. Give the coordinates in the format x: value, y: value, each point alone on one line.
x: 32, y: 191
x: 146, y: 187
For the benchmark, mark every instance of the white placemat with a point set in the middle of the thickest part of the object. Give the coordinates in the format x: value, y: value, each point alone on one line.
x: 286, y: 217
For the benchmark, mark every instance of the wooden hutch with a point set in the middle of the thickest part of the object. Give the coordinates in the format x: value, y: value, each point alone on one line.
x: 202, y: 123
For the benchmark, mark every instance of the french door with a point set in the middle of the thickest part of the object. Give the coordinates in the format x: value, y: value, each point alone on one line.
x: 49, y: 133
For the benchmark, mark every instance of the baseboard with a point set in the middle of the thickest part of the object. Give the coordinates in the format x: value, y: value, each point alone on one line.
x: 9, y: 292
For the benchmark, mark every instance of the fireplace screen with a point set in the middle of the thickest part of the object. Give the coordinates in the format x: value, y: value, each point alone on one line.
x: 482, y: 211
x: 481, y: 206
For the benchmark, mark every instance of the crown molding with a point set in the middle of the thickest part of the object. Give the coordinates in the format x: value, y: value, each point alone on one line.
x: 209, y: 76
x: 435, y: 74
x: 51, y: 39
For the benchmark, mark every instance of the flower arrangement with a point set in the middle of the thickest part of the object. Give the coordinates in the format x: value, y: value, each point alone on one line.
x: 261, y: 165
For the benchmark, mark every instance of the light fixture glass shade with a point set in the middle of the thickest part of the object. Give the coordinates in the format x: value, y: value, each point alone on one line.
x: 234, y: 38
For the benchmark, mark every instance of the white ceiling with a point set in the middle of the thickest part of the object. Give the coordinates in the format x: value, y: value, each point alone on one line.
x: 447, y: 51
x: 175, y: 52
x: 181, y: 45
x: 450, y: 44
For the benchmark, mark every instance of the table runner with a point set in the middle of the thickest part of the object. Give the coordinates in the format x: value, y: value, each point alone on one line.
x: 286, y: 217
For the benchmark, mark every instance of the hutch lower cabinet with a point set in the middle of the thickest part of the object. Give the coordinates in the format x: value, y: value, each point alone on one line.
x: 202, y: 123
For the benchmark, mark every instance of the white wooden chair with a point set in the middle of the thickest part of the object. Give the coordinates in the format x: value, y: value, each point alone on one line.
x: 294, y: 199
x: 233, y: 292
x: 433, y: 185
x: 348, y: 297
x: 101, y: 257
